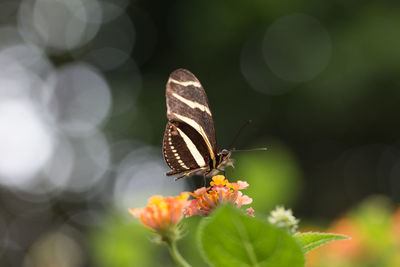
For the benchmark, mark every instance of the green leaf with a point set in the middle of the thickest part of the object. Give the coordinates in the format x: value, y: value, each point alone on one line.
x: 311, y: 240
x: 230, y: 238
x: 121, y: 240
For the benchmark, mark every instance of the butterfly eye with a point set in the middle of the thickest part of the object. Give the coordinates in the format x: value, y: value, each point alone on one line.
x: 225, y: 152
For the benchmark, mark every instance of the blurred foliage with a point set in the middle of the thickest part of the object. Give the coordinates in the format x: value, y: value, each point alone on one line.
x: 274, y: 176
x: 188, y: 245
x: 374, y: 227
x: 122, y: 241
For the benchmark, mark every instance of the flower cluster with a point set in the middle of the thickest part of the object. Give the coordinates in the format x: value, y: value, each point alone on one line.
x: 284, y: 219
x: 219, y: 192
x: 162, y: 214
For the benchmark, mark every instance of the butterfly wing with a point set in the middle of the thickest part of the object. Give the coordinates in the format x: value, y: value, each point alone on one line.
x: 180, y: 151
x: 190, y: 134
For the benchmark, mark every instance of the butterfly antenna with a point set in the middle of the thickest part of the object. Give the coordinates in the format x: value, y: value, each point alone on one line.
x: 239, y: 132
x: 254, y: 149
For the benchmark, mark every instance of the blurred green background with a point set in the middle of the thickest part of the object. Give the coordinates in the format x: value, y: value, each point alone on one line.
x: 82, y: 115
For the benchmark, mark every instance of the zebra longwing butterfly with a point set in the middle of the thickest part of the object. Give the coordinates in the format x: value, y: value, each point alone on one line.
x: 190, y: 145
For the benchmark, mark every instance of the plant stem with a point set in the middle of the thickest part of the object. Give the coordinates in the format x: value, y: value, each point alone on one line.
x: 176, y: 255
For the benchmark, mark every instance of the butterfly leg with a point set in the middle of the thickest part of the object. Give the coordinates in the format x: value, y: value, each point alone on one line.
x: 223, y: 171
x: 198, y: 171
x: 204, y: 181
x: 180, y: 177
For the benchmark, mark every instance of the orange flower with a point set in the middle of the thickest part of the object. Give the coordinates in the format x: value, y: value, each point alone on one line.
x: 345, y: 251
x: 396, y: 225
x: 162, y: 213
x: 220, y: 191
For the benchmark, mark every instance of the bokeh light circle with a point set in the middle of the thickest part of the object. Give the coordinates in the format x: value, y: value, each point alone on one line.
x: 59, y: 168
x: 139, y: 175
x: 25, y: 141
x: 81, y: 98
x: 91, y: 161
x: 297, y: 47
x: 257, y: 73
x: 112, y: 45
x: 59, y: 25
x: 61, y: 247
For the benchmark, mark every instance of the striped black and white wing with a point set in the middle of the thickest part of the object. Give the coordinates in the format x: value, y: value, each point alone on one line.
x: 189, y: 139
x: 184, y: 150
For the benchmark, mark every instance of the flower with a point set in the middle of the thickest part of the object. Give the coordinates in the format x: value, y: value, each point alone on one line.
x: 219, y: 192
x: 162, y: 214
x: 283, y: 218
x: 396, y: 224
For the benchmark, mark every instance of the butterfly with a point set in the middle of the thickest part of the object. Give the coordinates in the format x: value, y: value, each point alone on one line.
x: 189, y: 144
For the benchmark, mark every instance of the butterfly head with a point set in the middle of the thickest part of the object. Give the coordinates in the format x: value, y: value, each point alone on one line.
x: 224, y: 159
x: 225, y: 153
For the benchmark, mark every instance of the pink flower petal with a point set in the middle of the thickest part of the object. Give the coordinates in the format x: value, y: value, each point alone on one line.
x: 250, y: 211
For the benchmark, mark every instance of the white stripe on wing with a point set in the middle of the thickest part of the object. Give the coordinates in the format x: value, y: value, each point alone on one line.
x: 192, y: 104
x: 200, y: 130
x: 185, y: 83
x: 192, y: 149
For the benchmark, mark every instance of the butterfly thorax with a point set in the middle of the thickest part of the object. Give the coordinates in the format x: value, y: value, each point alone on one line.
x: 223, y: 160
